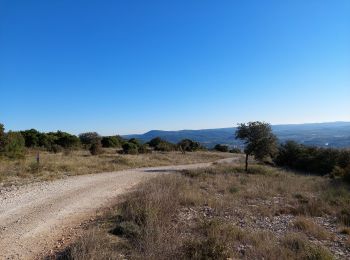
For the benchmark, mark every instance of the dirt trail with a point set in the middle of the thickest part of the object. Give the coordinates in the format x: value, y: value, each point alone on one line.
x: 35, y: 216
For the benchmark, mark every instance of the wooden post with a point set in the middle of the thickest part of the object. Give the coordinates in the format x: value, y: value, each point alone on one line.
x: 38, y: 158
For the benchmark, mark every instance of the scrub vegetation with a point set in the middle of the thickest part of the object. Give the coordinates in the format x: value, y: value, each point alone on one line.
x: 223, y: 212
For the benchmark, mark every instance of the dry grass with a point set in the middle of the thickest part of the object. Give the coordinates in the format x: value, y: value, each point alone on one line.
x: 220, y: 212
x: 308, y: 226
x: 53, y: 166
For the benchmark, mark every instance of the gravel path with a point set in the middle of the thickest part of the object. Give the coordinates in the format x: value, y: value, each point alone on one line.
x: 35, y: 216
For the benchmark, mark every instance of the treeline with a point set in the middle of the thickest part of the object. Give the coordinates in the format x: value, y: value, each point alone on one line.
x: 133, y: 146
x: 335, y: 162
x: 13, y: 144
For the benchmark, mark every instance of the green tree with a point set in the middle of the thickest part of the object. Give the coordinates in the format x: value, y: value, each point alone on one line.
x: 111, y: 141
x: 159, y: 144
x: 14, y: 145
x: 259, y: 140
x: 187, y: 145
x: 130, y: 148
x: 31, y: 137
x: 66, y: 140
x: 88, y: 138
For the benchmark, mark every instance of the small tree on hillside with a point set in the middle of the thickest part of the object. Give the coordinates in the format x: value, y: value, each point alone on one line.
x: 88, y: 138
x: 258, y: 139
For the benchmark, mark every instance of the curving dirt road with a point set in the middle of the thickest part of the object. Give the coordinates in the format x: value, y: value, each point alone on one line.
x: 35, y: 216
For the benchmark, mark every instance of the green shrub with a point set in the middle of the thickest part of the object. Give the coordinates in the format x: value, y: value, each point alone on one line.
x: 34, y: 138
x: 111, y: 141
x: 31, y: 137
x: 14, y: 145
x: 130, y: 148
x: 128, y: 229
x: 159, y: 144
x: 64, y: 139
x: 144, y: 149
x: 187, y: 145
x: 88, y: 138
x: 221, y: 148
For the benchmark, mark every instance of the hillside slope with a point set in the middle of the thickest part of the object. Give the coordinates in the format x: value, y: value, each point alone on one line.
x: 335, y: 134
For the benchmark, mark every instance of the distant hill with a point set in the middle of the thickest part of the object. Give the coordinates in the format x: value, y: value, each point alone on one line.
x: 335, y: 134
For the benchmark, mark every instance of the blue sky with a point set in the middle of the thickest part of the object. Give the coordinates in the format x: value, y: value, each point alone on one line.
x: 131, y: 66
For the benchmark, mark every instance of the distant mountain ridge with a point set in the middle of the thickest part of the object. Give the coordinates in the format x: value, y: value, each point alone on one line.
x: 333, y: 134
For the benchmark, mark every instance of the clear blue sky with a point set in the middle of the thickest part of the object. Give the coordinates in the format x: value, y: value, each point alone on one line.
x: 131, y: 66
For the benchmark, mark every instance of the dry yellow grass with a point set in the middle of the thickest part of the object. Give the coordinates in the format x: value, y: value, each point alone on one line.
x: 308, y: 226
x: 53, y: 166
x: 221, y: 212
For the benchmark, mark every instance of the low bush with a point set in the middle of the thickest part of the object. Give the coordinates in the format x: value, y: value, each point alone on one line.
x: 112, y: 141
x: 130, y: 148
x: 187, y: 145
x: 88, y: 138
x: 159, y: 144
x: 134, y: 146
x: 14, y: 145
x: 221, y: 148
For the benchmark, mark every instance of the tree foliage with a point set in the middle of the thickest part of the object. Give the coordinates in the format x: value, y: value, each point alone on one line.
x: 134, y: 146
x: 221, y: 148
x: 314, y: 160
x: 259, y: 140
x: 65, y: 140
x: 32, y: 138
x: 88, y: 138
x: 112, y: 141
x: 187, y: 145
x: 14, y: 145
x: 130, y: 148
x: 159, y: 144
